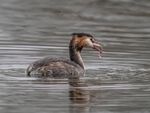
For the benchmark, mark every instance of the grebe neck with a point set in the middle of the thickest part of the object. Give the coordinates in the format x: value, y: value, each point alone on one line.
x: 75, y: 55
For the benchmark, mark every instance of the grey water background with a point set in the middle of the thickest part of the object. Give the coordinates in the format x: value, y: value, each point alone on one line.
x: 117, y: 83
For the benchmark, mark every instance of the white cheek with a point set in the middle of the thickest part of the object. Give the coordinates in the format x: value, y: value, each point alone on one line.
x: 89, y: 43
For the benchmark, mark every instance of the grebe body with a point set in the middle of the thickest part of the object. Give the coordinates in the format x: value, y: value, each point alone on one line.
x: 60, y: 67
x: 55, y: 67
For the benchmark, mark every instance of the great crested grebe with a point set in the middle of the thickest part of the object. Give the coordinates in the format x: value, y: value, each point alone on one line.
x: 60, y: 67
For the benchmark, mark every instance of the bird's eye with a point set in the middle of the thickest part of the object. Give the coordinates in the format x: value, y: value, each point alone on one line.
x: 92, y: 40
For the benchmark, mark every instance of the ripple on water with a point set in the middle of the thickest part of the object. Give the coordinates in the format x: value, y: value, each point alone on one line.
x: 33, y: 29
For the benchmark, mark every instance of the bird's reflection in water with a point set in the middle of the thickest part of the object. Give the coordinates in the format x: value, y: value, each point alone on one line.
x: 77, y: 92
x: 79, y: 96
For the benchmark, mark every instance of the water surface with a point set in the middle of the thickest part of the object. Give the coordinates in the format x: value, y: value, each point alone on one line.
x: 117, y: 83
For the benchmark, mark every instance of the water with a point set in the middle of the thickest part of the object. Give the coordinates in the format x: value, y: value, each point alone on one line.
x: 118, y: 83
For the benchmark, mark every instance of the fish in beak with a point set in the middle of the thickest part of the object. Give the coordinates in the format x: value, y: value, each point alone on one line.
x: 98, y: 47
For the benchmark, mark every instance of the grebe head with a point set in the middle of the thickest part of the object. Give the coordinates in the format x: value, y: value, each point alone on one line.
x: 80, y: 40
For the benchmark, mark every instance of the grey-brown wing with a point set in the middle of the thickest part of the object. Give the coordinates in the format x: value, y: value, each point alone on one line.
x: 52, y: 66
